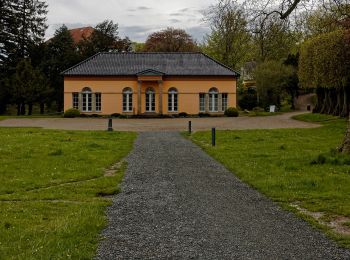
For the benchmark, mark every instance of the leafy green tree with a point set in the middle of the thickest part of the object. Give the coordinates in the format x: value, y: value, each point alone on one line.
x: 229, y: 40
x: 272, y: 38
x: 324, y: 65
x: 170, y: 40
x: 104, y: 38
x: 272, y: 79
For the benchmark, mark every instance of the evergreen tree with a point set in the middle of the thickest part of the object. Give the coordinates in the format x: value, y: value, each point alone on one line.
x: 30, y: 25
x: 61, y: 53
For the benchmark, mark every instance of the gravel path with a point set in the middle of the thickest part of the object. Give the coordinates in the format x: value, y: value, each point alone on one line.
x: 179, y: 203
x: 175, y: 124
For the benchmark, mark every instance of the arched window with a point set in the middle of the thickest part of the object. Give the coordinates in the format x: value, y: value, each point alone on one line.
x: 172, y: 100
x: 87, y: 100
x: 127, y: 100
x: 150, y: 100
x: 213, y: 100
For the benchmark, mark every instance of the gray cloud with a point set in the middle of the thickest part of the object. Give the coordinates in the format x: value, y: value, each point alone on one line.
x: 176, y: 14
x: 143, y: 8
x: 174, y: 20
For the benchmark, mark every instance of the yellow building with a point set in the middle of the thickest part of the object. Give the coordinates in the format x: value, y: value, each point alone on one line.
x: 150, y: 84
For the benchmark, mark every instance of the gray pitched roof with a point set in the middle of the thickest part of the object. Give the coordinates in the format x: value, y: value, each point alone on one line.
x: 167, y: 63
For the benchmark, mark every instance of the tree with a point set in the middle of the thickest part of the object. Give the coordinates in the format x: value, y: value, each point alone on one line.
x: 26, y: 86
x: 272, y: 38
x: 292, y: 82
x: 29, y: 26
x: 170, y: 40
x: 22, y: 25
x: 104, y: 38
x: 272, y: 81
x: 61, y: 53
x: 229, y: 40
x: 324, y: 65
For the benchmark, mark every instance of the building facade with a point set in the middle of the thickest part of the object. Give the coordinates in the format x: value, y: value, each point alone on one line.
x: 150, y: 83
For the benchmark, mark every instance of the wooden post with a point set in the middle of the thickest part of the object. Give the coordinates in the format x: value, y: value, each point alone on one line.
x: 189, y: 127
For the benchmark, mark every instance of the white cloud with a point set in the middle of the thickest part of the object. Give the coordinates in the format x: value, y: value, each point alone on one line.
x: 136, y: 19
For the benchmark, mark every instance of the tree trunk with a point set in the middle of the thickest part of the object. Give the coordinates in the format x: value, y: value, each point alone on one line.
x: 18, y: 109
x: 345, y: 146
x: 345, y: 111
x: 337, y: 102
x: 42, y: 108
x: 23, y: 109
x: 325, y: 101
x: 30, y: 109
x: 320, y: 98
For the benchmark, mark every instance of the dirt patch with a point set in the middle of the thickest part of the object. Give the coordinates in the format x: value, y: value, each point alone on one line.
x: 111, y: 171
x: 336, y: 223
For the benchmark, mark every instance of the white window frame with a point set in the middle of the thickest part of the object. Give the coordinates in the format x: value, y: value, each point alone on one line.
x: 75, y: 100
x: 213, y: 100
x: 201, y: 102
x: 98, y: 102
x: 127, y: 100
x: 224, y: 101
x: 87, y: 100
x: 150, y: 100
x: 173, y: 100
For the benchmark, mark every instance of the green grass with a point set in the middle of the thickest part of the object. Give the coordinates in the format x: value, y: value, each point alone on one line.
x: 32, y: 116
x: 279, y: 164
x: 53, y: 191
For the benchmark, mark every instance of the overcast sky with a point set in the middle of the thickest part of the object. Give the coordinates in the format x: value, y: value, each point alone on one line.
x: 136, y: 19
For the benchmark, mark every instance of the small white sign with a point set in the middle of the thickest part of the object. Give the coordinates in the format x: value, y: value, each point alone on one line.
x: 272, y: 109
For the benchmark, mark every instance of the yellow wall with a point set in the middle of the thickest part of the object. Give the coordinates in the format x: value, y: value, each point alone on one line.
x: 111, y: 89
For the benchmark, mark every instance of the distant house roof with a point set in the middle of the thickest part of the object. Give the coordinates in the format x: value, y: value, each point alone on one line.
x: 165, y: 63
x: 79, y: 34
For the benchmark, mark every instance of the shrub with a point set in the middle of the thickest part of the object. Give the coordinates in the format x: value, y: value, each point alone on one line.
x: 115, y: 115
x: 123, y: 116
x: 231, y: 112
x: 258, y: 109
x: 71, y: 113
x: 183, y: 114
x: 204, y: 115
x: 95, y: 115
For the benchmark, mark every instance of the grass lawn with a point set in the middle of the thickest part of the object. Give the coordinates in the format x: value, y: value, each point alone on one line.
x: 54, y: 193
x: 291, y: 166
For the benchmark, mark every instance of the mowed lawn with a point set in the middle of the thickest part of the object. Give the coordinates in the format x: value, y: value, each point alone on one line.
x: 291, y: 166
x: 54, y: 193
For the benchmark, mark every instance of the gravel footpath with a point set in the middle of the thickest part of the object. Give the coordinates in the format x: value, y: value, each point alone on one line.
x: 179, y: 203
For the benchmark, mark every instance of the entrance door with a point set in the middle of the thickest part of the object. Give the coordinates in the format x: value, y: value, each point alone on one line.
x: 150, y: 100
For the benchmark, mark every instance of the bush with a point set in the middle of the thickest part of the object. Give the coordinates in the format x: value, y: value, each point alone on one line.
x: 183, y: 114
x: 115, y: 115
x: 95, y: 115
x: 258, y: 109
x: 71, y: 113
x: 204, y: 115
x: 248, y: 101
x: 123, y: 116
x: 231, y: 112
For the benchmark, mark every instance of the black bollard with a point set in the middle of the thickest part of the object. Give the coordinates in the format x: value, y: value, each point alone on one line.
x: 213, y: 136
x: 110, y: 128
x: 189, y: 127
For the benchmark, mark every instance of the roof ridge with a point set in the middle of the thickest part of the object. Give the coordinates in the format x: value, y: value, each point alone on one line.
x: 156, y: 52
